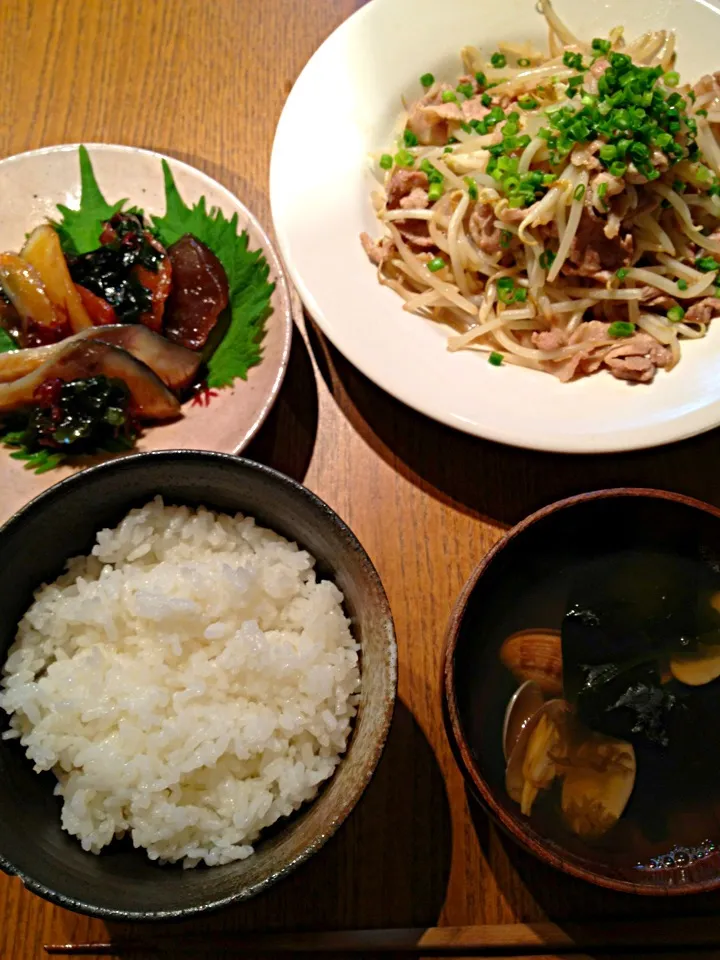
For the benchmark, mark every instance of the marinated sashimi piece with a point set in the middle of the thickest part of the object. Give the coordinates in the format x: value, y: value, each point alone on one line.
x: 150, y: 399
x: 42, y: 251
x: 199, y: 293
x: 174, y: 365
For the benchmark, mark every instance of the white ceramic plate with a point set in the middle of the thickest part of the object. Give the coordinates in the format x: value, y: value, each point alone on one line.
x: 32, y: 184
x: 342, y: 108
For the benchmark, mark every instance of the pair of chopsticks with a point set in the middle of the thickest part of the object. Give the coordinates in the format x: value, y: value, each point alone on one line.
x: 627, y: 938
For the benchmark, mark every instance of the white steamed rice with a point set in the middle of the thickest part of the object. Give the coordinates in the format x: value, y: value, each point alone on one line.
x: 189, y: 682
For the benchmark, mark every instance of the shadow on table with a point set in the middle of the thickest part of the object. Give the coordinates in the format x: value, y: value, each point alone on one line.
x: 387, y: 866
x: 489, y: 479
x: 563, y: 898
x: 287, y: 438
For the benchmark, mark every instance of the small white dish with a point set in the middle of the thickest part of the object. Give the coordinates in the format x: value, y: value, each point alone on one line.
x: 31, y: 186
x: 343, y: 108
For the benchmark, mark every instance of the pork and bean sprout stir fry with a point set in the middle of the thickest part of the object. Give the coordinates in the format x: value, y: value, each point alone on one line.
x: 559, y: 211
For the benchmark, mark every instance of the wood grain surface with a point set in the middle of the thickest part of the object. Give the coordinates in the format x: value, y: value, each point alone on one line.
x: 205, y: 82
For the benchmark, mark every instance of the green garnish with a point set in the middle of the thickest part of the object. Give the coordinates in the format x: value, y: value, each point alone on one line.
x: 622, y: 273
x: 547, y: 259
x: 573, y: 60
x: 435, y: 191
x: 6, y: 342
x: 498, y: 60
x: 486, y: 100
x: 505, y: 239
x: 496, y: 359
x: 79, y: 230
x: 403, y: 158
x: 386, y: 161
x: 409, y: 138
x: 676, y: 314
x: 481, y: 79
x: 671, y: 78
x: 706, y: 264
x: 682, y: 284
x: 466, y: 89
x: 437, y: 263
x: 579, y: 192
x: 601, y: 47
x: 427, y: 80
x: 527, y: 103
x: 472, y: 188
x: 621, y: 328
x: 523, y: 62
x: 449, y: 96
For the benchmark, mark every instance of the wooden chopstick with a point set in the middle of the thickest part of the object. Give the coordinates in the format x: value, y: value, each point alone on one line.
x: 695, y: 933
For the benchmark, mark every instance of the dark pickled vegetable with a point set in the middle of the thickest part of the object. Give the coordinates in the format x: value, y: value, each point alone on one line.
x: 199, y: 293
x: 150, y: 399
x: 80, y: 416
x: 112, y: 272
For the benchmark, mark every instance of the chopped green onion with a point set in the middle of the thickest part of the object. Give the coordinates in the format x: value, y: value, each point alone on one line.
x: 701, y: 113
x: 435, y: 191
x: 579, y: 192
x: 505, y: 239
x: 547, y: 258
x: 496, y: 359
x: 621, y: 328
x: 622, y: 273
x: 523, y: 62
x: 706, y: 264
x: 573, y: 60
x: 498, y: 60
x: 618, y: 169
x: 682, y: 284
x: 386, y: 161
x: 527, y: 103
x: 449, y: 96
x: 481, y: 79
x: 409, y: 138
x: 448, y: 150
x: 437, y: 263
x: 427, y: 80
x: 505, y: 283
x: 403, y: 158
x: 601, y: 46
x: 602, y: 193
x: 703, y: 174
x: 675, y: 314
x: 466, y: 89
x: 608, y: 152
x: 671, y: 78
x: 472, y: 188
x: 521, y: 295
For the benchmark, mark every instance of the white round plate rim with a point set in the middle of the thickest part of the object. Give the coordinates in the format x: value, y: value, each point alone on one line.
x: 308, y: 196
x: 278, y: 331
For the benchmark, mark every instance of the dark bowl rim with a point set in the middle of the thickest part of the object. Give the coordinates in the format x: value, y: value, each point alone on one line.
x: 451, y: 714
x: 381, y: 729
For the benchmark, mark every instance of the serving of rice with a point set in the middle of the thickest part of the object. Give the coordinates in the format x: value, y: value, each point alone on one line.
x: 189, y: 682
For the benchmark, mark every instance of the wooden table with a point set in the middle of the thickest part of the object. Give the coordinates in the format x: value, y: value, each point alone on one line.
x: 205, y: 82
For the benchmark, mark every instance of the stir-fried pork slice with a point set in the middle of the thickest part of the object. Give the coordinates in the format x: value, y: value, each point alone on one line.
x: 592, y: 251
x: 378, y: 251
x: 637, y: 358
x: 703, y: 311
x: 483, y: 231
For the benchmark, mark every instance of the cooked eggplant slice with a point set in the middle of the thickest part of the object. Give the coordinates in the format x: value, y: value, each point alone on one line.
x: 175, y: 365
x: 79, y: 360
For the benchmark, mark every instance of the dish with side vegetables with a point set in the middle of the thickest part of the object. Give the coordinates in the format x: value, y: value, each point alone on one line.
x: 111, y: 320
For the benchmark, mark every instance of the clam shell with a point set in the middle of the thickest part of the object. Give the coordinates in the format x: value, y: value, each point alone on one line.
x: 530, y: 768
x: 523, y: 705
x: 535, y: 655
x: 597, y: 785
